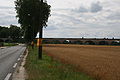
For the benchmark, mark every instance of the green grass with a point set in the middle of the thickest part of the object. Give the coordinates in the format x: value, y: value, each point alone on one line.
x: 10, y: 44
x: 48, y: 69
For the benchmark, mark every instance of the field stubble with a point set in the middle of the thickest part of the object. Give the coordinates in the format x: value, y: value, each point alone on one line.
x: 101, y: 62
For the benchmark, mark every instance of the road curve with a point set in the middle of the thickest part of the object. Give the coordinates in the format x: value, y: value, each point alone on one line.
x: 8, y: 57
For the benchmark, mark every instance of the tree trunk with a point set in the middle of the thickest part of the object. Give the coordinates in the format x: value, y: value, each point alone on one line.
x: 40, y: 43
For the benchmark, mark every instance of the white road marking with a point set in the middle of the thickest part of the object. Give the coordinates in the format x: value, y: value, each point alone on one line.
x: 20, y: 55
x: 15, y: 65
x: 8, y: 76
x: 18, y: 59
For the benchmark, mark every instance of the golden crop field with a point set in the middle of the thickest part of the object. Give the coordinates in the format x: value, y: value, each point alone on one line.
x: 101, y: 62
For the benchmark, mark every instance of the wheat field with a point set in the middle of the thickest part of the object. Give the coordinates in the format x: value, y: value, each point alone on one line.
x: 100, y: 62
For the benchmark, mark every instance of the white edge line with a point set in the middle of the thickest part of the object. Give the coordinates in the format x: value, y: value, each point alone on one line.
x: 18, y: 59
x: 15, y: 65
x: 8, y: 76
x: 20, y: 55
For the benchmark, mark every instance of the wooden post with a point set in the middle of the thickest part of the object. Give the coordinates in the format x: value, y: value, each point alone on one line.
x: 40, y: 40
x: 40, y: 44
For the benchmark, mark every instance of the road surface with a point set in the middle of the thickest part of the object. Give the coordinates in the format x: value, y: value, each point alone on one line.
x: 8, y: 57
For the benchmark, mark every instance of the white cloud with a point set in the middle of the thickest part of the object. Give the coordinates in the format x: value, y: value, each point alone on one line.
x: 96, y: 19
x: 7, y: 3
x: 7, y: 16
x: 70, y: 18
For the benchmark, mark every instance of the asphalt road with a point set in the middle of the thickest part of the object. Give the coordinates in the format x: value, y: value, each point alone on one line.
x: 8, y: 57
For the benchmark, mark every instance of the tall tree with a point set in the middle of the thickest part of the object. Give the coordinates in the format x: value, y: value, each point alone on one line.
x: 33, y: 16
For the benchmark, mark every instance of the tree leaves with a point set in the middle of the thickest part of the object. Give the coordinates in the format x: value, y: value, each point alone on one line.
x: 32, y: 14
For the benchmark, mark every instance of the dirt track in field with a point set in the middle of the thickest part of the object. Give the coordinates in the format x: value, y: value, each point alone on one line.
x: 101, y: 62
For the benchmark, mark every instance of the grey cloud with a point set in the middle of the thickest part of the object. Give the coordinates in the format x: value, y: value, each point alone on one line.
x: 8, y: 21
x: 7, y: 16
x: 71, y: 23
x: 67, y: 18
x: 114, y: 16
x: 96, y: 7
x: 51, y: 27
x: 83, y: 9
x: 5, y: 7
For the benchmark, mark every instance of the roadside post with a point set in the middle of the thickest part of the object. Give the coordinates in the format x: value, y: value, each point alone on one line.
x: 40, y: 40
x: 39, y: 44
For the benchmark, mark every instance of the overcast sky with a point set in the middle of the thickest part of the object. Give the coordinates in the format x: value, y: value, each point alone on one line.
x: 74, y: 18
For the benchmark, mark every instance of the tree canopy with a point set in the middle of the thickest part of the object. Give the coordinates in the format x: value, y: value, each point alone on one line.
x: 32, y: 15
x: 13, y: 32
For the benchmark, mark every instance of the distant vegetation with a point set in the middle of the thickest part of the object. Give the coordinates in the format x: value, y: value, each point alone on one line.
x: 79, y: 42
x: 13, y: 32
x: 10, y: 44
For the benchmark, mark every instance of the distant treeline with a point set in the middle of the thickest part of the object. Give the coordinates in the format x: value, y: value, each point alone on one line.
x: 80, y: 42
x: 13, y: 32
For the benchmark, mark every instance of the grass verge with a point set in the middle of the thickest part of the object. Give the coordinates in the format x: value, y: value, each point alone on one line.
x: 10, y: 44
x: 48, y: 69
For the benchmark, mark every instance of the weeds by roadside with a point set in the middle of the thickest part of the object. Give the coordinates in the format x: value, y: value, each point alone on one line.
x: 10, y: 44
x: 48, y: 69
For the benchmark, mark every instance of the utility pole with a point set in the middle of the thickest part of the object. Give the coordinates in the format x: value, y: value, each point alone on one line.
x: 40, y: 40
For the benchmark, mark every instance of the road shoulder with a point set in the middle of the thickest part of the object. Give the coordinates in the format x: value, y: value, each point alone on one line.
x: 20, y: 72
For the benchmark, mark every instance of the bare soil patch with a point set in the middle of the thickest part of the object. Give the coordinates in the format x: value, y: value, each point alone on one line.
x: 101, y: 62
